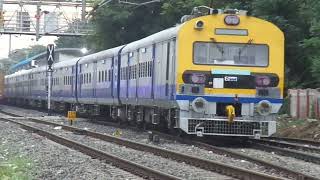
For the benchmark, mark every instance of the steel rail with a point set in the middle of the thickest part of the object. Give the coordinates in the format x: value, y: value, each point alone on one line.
x: 287, y: 145
x: 209, y: 165
x: 295, y: 140
x: 286, y: 152
x: 129, y: 166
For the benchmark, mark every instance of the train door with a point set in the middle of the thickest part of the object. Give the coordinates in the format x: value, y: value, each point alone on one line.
x: 162, y: 50
x: 137, y: 74
x: 132, y: 94
x: 115, y: 77
x: 170, y: 78
x: 153, y: 70
x: 73, y: 80
x: 80, y: 78
x: 123, y: 75
x: 94, y: 81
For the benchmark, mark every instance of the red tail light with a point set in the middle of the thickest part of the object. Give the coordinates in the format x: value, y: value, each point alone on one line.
x: 262, y: 81
x: 198, y: 78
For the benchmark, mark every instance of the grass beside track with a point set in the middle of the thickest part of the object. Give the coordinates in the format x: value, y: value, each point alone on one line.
x: 14, y: 167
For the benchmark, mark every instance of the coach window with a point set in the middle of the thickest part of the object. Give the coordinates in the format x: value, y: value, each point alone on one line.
x: 147, y: 69
x: 143, y: 69
x: 87, y: 77
x: 99, y: 76
x: 125, y: 73
x: 140, y: 69
x: 105, y: 75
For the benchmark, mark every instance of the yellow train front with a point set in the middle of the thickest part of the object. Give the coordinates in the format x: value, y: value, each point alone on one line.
x: 230, y: 75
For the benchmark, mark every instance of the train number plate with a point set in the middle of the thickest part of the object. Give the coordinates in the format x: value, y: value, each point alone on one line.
x: 231, y: 78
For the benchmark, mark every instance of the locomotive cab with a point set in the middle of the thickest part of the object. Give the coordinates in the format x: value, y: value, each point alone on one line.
x: 230, y: 75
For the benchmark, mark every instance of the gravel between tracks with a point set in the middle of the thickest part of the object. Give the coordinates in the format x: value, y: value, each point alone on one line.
x: 178, y: 169
x: 288, y: 162
x: 291, y: 163
x: 53, y: 161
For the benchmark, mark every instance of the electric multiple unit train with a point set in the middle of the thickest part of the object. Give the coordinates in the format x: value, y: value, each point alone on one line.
x: 220, y: 74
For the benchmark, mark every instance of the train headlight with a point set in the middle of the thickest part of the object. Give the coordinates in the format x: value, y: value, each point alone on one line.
x: 199, y: 25
x: 198, y: 78
x: 232, y: 20
x: 263, y: 81
x: 199, y: 104
x: 264, y: 107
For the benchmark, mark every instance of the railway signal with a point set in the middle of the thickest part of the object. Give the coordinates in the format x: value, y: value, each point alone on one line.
x: 50, y: 59
x: 50, y: 55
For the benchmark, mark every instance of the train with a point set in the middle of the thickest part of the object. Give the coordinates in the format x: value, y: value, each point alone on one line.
x: 218, y: 73
x: 2, y: 74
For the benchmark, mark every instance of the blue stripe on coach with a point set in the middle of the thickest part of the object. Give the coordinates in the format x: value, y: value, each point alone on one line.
x: 228, y: 99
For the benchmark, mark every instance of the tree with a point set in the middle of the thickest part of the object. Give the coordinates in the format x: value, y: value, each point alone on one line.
x: 311, y: 44
x: 22, y: 54
x: 287, y: 16
x: 71, y: 42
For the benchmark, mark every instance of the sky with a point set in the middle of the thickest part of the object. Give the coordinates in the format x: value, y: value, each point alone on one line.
x: 22, y: 41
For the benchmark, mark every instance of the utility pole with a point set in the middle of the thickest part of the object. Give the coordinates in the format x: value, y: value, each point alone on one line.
x: 83, y: 12
x: 1, y: 14
x: 38, y: 15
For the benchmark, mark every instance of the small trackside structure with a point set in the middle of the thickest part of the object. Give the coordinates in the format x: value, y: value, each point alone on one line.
x: 304, y: 103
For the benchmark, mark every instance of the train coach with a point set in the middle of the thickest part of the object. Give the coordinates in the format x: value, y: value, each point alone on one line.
x: 220, y: 74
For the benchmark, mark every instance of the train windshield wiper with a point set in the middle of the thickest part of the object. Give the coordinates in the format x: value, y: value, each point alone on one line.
x: 220, y: 49
x: 244, y: 48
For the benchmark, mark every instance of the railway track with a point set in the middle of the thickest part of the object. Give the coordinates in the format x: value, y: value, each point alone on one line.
x: 131, y: 167
x: 280, y: 143
x: 297, y: 141
x: 220, y: 168
x: 288, y: 149
x: 205, y: 145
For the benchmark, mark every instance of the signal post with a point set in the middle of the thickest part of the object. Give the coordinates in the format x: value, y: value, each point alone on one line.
x: 50, y: 58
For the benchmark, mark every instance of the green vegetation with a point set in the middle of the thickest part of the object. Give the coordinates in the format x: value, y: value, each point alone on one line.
x: 285, y: 123
x: 14, y: 167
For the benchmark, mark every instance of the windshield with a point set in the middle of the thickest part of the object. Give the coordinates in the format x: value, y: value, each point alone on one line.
x: 230, y: 54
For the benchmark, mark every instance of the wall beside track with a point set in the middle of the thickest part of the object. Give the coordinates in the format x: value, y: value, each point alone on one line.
x: 304, y: 103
